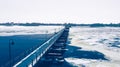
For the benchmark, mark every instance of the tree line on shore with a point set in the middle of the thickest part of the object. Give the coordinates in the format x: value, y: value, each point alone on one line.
x: 60, y: 24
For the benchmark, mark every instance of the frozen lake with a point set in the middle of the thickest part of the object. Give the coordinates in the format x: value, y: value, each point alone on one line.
x: 87, y: 47
x: 24, y: 38
x: 94, y: 47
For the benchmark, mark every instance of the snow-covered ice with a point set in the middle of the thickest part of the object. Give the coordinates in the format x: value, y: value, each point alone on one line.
x: 26, y: 30
x: 105, y: 40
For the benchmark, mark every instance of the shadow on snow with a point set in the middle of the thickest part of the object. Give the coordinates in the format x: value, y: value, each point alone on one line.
x: 75, y: 52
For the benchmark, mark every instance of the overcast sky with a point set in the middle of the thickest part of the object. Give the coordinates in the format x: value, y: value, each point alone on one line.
x: 56, y: 11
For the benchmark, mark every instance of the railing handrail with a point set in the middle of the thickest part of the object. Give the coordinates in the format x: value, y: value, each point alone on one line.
x: 41, y: 49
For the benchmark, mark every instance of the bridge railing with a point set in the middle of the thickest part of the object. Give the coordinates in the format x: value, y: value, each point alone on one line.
x: 31, y: 59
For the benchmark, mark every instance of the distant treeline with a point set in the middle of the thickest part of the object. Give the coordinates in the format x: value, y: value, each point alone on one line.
x: 28, y: 24
x: 56, y: 24
x: 98, y: 25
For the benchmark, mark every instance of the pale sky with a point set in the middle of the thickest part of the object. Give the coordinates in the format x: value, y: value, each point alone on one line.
x: 56, y: 11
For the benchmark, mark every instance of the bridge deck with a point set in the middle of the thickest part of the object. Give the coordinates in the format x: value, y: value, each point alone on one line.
x: 56, y: 52
x: 31, y: 59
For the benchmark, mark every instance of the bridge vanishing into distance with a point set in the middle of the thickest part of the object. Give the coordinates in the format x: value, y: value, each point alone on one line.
x: 52, y: 49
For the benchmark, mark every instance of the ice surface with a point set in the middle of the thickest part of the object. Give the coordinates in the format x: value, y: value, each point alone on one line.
x: 102, y: 39
x: 26, y: 30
